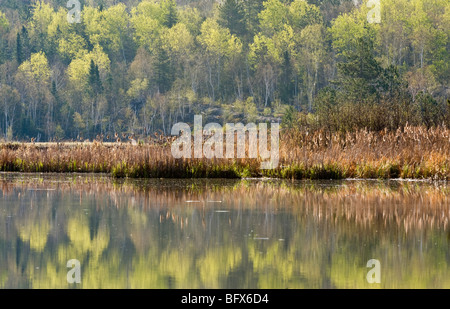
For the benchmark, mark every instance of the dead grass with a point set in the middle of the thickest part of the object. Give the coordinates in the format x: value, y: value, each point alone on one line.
x: 411, y: 152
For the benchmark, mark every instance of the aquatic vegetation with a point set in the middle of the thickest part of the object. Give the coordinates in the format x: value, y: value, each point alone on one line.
x: 409, y: 152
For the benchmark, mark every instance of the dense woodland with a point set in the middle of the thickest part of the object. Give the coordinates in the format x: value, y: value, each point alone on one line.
x: 140, y: 66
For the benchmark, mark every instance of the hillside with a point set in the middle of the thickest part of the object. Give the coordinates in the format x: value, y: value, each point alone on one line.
x: 141, y: 66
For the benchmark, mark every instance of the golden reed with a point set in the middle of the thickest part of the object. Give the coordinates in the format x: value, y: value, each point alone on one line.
x: 410, y: 152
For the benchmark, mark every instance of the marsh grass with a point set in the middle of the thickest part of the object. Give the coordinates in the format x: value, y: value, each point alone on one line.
x: 410, y: 152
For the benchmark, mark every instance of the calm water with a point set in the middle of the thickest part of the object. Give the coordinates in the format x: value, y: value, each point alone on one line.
x: 222, y: 234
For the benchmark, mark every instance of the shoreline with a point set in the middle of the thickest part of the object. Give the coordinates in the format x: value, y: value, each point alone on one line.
x: 414, y: 153
x: 109, y: 176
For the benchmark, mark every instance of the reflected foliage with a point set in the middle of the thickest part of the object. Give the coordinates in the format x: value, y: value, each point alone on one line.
x: 221, y: 233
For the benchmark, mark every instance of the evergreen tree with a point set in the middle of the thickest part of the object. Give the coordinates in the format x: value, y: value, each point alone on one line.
x: 272, y: 51
x: 163, y: 71
x: 287, y: 85
x: 390, y: 85
x: 170, y: 15
x: 26, y: 48
x: 232, y: 16
x: 360, y: 70
x: 18, y: 49
x: 94, y: 78
x: 252, y: 8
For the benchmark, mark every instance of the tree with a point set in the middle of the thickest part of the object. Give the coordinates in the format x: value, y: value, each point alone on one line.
x: 302, y: 14
x: 430, y: 111
x: 18, y: 48
x: 169, y: 13
x: 34, y: 75
x: 178, y: 43
x: 359, y: 71
x: 116, y: 21
x: 325, y: 105
x: 252, y: 8
x: 273, y: 18
x: 164, y: 71
x: 145, y: 22
x: 78, y: 69
x: 4, y: 29
x: 270, y: 55
x: 134, y: 64
x: 311, y: 55
x: 40, y: 22
x: 219, y: 46
x: 86, y: 75
x: 393, y: 38
x: 232, y: 16
x: 4, y: 23
x: 42, y: 16
x: 348, y: 29
x: 72, y: 46
x: 10, y: 108
x: 23, y: 45
x: 421, y: 32
x: 95, y: 82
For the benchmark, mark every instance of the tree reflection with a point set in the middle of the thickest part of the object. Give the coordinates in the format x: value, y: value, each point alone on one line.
x: 221, y: 234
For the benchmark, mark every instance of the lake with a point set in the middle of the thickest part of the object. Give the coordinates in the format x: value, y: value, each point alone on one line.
x: 240, y: 234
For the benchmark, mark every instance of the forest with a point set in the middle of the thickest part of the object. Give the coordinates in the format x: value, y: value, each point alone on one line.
x: 137, y: 67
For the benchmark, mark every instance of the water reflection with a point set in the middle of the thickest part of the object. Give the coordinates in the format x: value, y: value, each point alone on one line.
x: 221, y: 234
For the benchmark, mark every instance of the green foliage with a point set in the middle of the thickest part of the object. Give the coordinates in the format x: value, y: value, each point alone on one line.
x: 232, y: 16
x: 169, y: 13
x: 289, y: 118
x: 359, y: 71
x: 141, y: 66
x: 430, y: 111
x: 4, y: 23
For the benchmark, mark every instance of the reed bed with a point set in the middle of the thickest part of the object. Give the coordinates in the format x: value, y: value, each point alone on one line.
x: 409, y: 152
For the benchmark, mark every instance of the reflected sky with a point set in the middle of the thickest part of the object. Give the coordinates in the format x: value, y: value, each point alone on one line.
x: 222, y: 233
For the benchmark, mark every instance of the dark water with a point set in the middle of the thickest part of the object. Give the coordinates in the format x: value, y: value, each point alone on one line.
x: 222, y: 234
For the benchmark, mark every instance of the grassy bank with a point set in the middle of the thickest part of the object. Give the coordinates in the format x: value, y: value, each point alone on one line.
x: 411, y: 152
